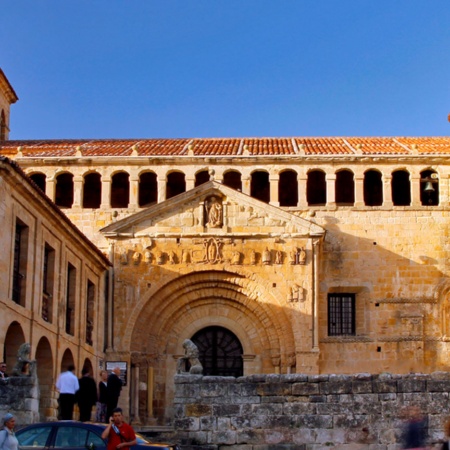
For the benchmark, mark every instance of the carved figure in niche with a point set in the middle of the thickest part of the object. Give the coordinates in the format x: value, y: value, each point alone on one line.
x: 266, y: 257
x: 24, y: 366
x: 159, y: 258
x: 301, y: 256
x: 296, y: 294
x: 278, y: 257
x: 124, y: 258
x: 212, y: 253
x: 293, y: 257
x: 190, y: 357
x: 172, y: 257
x: 186, y: 256
x: 147, y: 256
x: 236, y: 258
x: 253, y: 257
x: 213, y: 213
x: 136, y: 258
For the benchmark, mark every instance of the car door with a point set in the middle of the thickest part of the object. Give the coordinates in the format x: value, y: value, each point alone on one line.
x: 77, y: 438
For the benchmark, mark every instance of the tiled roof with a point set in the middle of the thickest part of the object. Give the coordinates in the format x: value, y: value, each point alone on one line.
x: 230, y: 147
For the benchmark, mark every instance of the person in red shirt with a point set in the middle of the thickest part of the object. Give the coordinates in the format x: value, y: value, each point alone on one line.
x: 118, y: 433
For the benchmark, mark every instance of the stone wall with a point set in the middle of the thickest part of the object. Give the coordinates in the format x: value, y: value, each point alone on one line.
x: 20, y: 397
x: 274, y: 412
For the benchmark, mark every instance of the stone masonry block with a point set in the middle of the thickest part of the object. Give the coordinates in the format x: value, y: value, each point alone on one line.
x: 197, y: 410
x: 305, y: 388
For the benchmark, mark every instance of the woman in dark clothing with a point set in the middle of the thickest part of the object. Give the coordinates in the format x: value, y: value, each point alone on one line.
x: 101, y: 416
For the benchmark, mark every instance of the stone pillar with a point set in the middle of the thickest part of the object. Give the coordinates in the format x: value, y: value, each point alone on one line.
x: 134, y: 192
x: 331, y: 189
x: 387, y: 191
x: 359, y: 190
x: 315, y: 268
x: 190, y: 183
x: 50, y: 187
x: 302, y: 200
x: 274, y: 181
x: 136, y: 418
x: 415, y: 190
x: 78, y: 182
x: 106, y: 193
x: 246, y: 185
x: 162, y: 189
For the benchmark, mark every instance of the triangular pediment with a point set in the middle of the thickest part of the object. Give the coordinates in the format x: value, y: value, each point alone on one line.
x: 212, y: 209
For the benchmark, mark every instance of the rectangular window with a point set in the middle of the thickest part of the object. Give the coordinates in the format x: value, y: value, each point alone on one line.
x: 90, y: 294
x: 48, y: 277
x: 341, y: 314
x: 20, y: 263
x: 70, y: 299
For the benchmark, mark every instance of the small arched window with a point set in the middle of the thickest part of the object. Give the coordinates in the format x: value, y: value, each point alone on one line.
x: 40, y: 180
x: 120, y: 190
x: 233, y: 179
x: 288, y: 188
x: 429, y: 188
x: 176, y: 184
x: 401, y: 188
x: 373, y: 188
x: 260, y: 186
x: 64, y: 190
x: 201, y: 177
x: 316, y: 188
x: 148, y: 189
x: 345, y: 188
x: 92, y: 190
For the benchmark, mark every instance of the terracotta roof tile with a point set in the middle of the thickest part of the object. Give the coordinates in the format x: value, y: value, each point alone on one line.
x: 229, y: 146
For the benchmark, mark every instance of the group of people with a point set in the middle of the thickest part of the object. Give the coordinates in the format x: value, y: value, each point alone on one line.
x: 84, y: 392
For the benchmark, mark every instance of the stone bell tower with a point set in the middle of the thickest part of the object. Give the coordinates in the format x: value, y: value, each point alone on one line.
x: 7, y: 98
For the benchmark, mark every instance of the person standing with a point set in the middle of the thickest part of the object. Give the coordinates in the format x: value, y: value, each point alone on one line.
x: 100, y: 415
x: 87, y: 395
x: 8, y: 440
x: 3, y: 373
x: 67, y: 386
x: 118, y: 433
x: 113, y: 388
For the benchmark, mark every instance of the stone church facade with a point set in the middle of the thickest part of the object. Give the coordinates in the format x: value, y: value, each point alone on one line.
x: 274, y: 255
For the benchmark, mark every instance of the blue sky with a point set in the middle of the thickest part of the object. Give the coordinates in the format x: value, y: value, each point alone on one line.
x: 213, y: 68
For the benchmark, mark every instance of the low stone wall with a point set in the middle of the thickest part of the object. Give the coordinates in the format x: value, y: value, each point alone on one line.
x: 20, y: 396
x: 274, y: 412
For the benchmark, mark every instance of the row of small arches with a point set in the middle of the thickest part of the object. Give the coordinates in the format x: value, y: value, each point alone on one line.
x: 288, y: 189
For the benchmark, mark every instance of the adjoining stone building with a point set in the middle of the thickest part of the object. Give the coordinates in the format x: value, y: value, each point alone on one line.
x: 274, y: 255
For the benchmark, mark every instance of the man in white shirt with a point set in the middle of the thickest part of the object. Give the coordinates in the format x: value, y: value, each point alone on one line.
x: 67, y: 386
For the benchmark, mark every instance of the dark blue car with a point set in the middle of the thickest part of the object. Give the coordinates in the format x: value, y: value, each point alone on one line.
x: 72, y: 435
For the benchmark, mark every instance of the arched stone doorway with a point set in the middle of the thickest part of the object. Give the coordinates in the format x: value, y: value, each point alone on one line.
x: 67, y: 360
x: 87, y: 364
x: 44, y: 365
x: 14, y: 338
x: 246, y: 308
x: 220, y: 352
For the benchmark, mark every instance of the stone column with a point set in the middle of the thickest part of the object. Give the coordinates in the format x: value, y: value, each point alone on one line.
x: 387, y: 191
x: 315, y: 268
x: 274, y: 181
x: 190, y: 183
x: 78, y: 182
x: 50, y: 187
x: 415, y: 190
x: 359, y: 190
x: 106, y: 193
x: 302, y: 200
x: 162, y: 189
x: 331, y: 189
x: 134, y: 192
x: 246, y: 185
x: 136, y: 419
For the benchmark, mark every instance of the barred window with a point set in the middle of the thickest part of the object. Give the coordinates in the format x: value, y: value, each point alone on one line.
x: 341, y: 314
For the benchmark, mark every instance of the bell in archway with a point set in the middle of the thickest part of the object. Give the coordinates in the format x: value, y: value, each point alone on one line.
x: 428, y: 187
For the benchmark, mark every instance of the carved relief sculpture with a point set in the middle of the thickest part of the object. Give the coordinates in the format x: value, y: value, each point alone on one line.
x: 301, y: 256
x: 186, y: 256
x: 293, y: 257
x: 266, y: 258
x: 172, y: 257
x: 253, y: 257
x: 136, y: 258
x: 124, y: 258
x: 147, y: 257
x: 190, y: 356
x: 296, y: 294
x: 278, y: 257
x: 236, y: 259
x: 213, y: 213
x: 212, y: 250
x: 24, y: 366
x: 159, y: 258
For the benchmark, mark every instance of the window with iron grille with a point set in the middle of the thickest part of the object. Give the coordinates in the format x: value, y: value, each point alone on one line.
x: 20, y: 263
x: 341, y: 314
